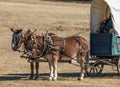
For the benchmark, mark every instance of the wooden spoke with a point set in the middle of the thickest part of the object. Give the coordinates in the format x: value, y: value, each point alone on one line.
x: 95, y: 69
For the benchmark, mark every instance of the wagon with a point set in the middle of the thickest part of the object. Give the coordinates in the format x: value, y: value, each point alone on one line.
x: 104, y: 47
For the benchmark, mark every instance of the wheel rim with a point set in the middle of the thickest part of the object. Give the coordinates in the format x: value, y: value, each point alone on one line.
x: 118, y: 66
x: 95, y: 69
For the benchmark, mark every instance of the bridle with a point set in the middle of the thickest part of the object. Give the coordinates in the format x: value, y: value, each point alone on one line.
x: 16, y: 40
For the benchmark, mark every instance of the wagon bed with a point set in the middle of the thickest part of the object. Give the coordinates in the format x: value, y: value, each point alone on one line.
x: 104, y: 44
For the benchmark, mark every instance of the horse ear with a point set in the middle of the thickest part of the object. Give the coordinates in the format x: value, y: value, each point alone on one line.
x: 28, y: 30
x: 12, y: 29
x: 42, y: 34
x: 34, y: 31
x: 46, y: 32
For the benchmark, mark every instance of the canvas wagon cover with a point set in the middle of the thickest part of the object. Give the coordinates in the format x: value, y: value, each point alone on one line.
x: 101, y: 9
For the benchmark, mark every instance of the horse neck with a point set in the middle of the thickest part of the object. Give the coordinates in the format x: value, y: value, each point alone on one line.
x: 59, y: 42
x: 39, y: 42
x: 28, y: 44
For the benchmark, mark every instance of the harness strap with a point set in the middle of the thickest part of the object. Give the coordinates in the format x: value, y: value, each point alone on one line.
x: 80, y: 43
x: 61, y: 52
x: 42, y: 53
x: 63, y: 48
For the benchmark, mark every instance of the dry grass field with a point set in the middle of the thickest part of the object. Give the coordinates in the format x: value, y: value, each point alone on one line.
x: 62, y: 18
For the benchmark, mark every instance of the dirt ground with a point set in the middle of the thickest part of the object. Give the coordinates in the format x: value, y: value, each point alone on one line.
x: 60, y: 17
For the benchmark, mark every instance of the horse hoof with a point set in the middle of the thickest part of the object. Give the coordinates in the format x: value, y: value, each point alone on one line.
x: 50, y: 78
x: 54, y: 78
x: 31, y: 78
x: 36, y: 78
x: 80, y: 79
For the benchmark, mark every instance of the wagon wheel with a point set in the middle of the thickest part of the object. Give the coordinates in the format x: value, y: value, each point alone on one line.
x: 94, y: 69
x: 118, y: 66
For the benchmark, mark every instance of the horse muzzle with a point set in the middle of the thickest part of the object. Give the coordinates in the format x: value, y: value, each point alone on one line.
x: 14, y: 47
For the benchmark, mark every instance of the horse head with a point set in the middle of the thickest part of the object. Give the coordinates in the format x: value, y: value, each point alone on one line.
x: 48, y: 37
x: 16, y: 39
x: 28, y: 34
x: 33, y: 44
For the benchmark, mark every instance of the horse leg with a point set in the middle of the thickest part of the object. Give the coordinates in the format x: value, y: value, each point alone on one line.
x: 50, y: 61
x: 82, y: 60
x: 55, y: 67
x: 37, y: 70
x: 32, y: 70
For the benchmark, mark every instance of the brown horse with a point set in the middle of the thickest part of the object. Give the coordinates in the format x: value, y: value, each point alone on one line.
x: 70, y: 47
x: 20, y: 37
x: 55, y: 47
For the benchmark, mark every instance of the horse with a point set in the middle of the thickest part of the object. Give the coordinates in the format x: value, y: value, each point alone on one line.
x: 41, y: 47
x: 71, y: 47
x: 20, y: 37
